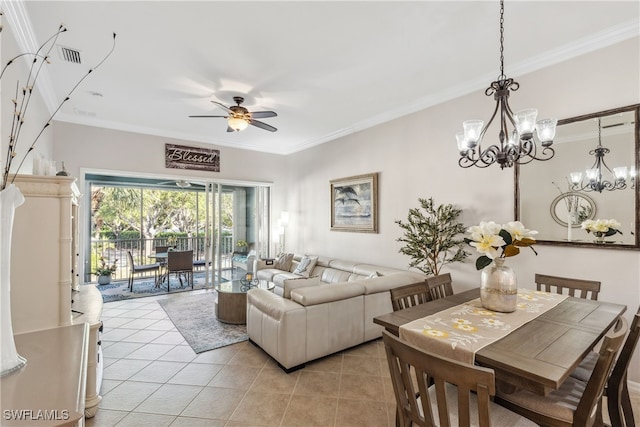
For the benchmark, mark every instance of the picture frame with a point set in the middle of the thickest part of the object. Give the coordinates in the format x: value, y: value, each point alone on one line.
x: 354, y: 203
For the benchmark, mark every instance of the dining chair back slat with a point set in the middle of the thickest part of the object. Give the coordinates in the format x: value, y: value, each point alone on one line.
x: 585, y: 289
x: 440, y: 286
x: 432, y: 390
x: 409, y: 295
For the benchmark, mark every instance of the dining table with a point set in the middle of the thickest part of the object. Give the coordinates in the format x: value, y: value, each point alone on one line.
x: 161, y: 259
x: 537, y: 355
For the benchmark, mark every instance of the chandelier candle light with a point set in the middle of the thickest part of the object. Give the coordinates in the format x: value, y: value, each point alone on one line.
x: 595, y: 181
x: 517, y: 146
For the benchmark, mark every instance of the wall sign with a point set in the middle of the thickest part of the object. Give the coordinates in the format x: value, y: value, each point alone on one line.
x: 183, y: 157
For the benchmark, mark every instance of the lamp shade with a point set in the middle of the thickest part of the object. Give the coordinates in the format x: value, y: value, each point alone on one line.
x: 472, y: 129
x: 526, y: 121
x: 546, y: 130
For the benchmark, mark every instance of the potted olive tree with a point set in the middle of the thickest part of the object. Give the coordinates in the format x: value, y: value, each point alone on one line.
x: 432, y: 236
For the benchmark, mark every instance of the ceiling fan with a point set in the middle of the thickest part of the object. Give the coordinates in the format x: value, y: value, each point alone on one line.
x: 181, y: 183
x: 240, y: 118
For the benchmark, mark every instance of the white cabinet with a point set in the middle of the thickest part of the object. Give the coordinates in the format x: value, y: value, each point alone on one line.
x: 44, y: 270
x: 44, y: 252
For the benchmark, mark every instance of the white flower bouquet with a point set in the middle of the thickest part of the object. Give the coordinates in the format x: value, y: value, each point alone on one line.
x: 601, y: 227
x: 499, y: 241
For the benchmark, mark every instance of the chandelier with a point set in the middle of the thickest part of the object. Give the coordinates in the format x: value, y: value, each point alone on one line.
x: 594, y: 181
x: 516, y: 146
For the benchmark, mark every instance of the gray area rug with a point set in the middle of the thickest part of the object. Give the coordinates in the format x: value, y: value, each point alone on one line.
x: 194, y: 316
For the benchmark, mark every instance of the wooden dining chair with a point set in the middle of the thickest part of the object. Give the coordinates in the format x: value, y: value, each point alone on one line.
x: 616, y: 389
x: 433, y: 390
x: 181, y: 263
x: 440, y: 286
x: 575, y: 403
x: 142, y: 268
x: 409, y: 295
x: 588, y: 289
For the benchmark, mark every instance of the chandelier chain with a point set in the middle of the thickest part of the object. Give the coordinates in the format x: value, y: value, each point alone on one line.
x: 502, y: 76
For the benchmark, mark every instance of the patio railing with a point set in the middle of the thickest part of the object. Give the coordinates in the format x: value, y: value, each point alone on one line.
x: 115, y: 250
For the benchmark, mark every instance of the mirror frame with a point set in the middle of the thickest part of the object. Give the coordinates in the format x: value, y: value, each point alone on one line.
x: 636, y: 245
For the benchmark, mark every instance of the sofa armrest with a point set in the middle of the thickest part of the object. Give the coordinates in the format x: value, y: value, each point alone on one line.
x: 314, y: 295
x: 291, y: 284
x: 263, y: 263
x: 271, y: 304
x: 278, y: 326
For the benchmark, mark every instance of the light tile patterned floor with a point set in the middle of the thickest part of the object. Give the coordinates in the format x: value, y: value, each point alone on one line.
x: 153, y: 378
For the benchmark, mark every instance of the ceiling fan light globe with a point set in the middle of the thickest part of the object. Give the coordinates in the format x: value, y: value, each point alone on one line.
x: 238, y: 124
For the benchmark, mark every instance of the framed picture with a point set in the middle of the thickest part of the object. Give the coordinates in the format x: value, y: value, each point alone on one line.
x: 354, y: 203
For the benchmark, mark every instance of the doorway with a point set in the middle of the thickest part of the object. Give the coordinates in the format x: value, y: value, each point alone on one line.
x: 137, y: 214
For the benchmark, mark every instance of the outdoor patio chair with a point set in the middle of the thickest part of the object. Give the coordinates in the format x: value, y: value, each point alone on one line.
x: 181, y: 263
x: 144, y: 268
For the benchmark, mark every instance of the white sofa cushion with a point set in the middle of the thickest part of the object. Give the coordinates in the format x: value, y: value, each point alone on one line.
x: 283, y: 262
x: 306, y: 265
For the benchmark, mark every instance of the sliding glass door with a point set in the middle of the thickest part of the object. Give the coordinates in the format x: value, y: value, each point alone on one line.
x: 216, y: 220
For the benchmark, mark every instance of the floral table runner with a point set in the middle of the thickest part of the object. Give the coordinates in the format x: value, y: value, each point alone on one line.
x: 460, y: 331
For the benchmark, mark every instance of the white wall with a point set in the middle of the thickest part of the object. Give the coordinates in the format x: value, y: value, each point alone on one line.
x: 416, y: 157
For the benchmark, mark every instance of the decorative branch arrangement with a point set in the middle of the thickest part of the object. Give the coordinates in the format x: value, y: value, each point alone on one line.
x: 23, y: 98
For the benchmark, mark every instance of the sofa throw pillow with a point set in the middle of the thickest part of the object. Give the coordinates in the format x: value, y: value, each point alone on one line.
x: 283, y: 262
x: 306, y: 265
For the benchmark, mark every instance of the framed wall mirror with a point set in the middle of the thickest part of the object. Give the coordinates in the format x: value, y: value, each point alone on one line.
x: 554, y: 197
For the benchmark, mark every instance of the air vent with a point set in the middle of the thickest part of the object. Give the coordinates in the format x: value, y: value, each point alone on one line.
x: 70, y: 55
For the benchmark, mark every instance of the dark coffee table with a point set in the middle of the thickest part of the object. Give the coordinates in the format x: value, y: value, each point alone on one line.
x: 231, y: 304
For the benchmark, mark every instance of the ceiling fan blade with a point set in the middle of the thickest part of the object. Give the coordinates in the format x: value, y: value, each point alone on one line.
x: 224, y: 107
x: 230, y: 129
x: 262, y: 114
x: 224, y: 117
x: 262, y: 125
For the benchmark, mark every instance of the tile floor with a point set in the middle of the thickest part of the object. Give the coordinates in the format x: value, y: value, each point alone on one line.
x: 153, y: 378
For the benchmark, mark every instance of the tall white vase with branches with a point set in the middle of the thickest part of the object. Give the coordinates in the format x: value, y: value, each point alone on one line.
x: 10, y: 199
x: 10, y: 195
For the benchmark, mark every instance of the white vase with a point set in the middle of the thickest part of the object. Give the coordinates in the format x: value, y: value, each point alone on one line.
x: 10, y: 360
x: 498, y: 287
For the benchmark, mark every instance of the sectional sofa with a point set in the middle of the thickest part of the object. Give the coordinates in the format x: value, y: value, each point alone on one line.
x: 318, y: 312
